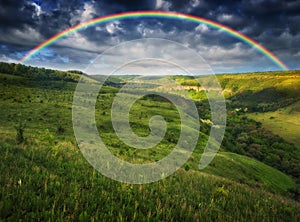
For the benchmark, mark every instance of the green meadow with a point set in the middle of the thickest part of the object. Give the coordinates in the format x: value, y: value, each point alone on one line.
x: 44, y: 176
x: 284, y: 122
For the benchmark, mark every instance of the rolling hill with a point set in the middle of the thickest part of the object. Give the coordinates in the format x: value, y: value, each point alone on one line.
x: 45, y: 177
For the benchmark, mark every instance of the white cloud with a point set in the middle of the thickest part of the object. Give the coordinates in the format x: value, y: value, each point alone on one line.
x: 202, y: 28
x: 98, y: 28
x: 230, y: 18
x: 225, y: 18
x: 220, y: 53
x: 38, y: 9
x: 78, y: 41
x: 195, y: 3
x: 86, y: 14
x: 26, y: 36
x: 112, y: 27
x: 4, y: 58
x: 162, y: 5
x: 155, y: 56
x: 154, y: 32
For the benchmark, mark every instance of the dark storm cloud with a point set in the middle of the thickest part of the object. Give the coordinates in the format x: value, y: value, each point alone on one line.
x: 16, y: 14
x: 116, y: 6
x: 269, y: 22
x: 25, y: 23
x: 260, y: 14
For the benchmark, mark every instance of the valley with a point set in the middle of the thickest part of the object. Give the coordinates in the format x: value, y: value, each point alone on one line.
x: 254, y: 176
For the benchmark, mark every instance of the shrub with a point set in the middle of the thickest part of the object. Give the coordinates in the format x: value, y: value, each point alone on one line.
x: 20, y: 127
x: 60, y: 129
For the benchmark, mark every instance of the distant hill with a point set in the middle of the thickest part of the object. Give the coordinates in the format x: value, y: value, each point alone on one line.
x: 258, y: 91
x: 262, y: 91
x: 41, y: 74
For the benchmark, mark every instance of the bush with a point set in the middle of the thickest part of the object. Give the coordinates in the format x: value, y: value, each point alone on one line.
x: 20, y: 127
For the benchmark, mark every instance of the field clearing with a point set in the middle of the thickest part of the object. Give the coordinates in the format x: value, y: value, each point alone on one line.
x: 285, y: 122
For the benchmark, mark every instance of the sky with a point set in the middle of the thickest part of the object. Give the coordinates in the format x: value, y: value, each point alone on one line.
x: 275, y: 24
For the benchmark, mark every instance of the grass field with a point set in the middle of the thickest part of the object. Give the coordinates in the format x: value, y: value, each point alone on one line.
x: 247, y: 170
x: 284, y: 122
x: 44, y: 176
x: 53, y: 182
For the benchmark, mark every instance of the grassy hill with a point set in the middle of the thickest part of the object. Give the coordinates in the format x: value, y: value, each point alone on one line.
x: 48, y: 179
x: 258, y: 91
x: 45, y: 177
x: 284, y: 122
x: 262, y: 91
x: 250, y: 171
x: 286, y: 82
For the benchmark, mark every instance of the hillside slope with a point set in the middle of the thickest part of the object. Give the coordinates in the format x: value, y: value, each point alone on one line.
x: 262, y: 91
x: 284, y: 122
x: 45, y: 177
x: 42, y: 181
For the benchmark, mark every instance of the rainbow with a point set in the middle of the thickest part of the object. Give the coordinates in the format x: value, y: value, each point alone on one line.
x: 156, y: 14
